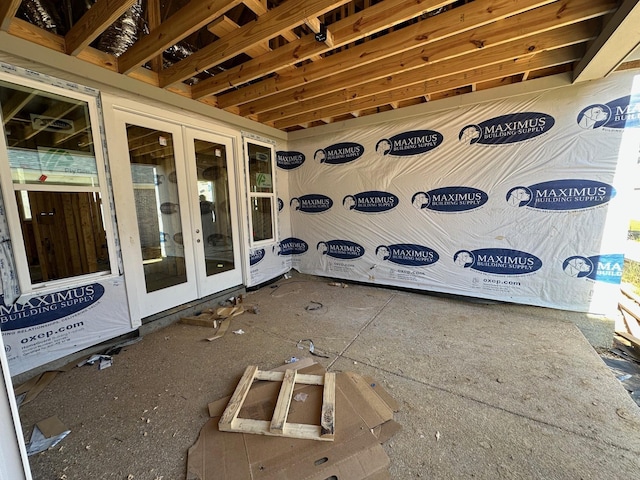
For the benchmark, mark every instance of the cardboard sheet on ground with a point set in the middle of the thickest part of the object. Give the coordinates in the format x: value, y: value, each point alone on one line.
x: 364, y: 420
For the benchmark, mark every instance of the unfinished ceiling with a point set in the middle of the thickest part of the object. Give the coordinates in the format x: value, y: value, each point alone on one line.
x: 294, y: 64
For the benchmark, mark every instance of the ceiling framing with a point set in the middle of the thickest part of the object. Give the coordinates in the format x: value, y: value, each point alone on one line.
x: 293, y: 64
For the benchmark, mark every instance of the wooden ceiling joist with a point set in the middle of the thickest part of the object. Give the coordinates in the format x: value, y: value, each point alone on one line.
x: 259, y: 7
x: 190, y: 18
x: 280, y: 19
x: 154, y: 19
x: 569, y: 35
x: 429, y: 87
x: 95, y: 21
x: 372, y: 20
x: 271, y: 67
x: 223, y: 26
x: 525, y: 24
x: 414, y: 36
x: 8, y: 10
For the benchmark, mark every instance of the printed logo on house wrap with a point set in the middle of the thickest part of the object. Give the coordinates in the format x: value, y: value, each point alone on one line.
x: 339, y: 153
x: 289, y: 160
x: 600, y: 268
x: 280, y: 204
x: 49, y: 307
x: 567, y: 194
x: 499, y: 261
x: 407, y: 254
x: 342, y: 249
x: 506, y: 129
x: 371, y: 202
x: 256, y: 256
x: 409, y: 143
x: 623, y: 112
x: 450, y: 199
x: 291, y: 246
x: 312, y: 203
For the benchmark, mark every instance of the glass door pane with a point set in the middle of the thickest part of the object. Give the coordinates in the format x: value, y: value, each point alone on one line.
x: 157, y: 206
x: 215, y: 206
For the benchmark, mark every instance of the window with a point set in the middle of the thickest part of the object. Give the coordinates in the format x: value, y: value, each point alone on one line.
x: 262, y: 195
x: 54, y: 185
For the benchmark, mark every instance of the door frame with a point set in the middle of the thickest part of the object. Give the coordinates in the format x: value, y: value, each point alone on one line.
x: 127, y: 220
x: 205, y: 284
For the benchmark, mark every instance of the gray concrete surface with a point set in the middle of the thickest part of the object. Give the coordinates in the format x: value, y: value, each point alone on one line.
x: 486, y: 391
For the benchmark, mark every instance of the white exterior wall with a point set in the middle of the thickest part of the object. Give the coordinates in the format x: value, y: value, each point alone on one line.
x: 519, y: 199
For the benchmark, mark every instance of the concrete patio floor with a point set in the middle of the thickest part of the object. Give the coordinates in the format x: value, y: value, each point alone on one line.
x: 486, y: 391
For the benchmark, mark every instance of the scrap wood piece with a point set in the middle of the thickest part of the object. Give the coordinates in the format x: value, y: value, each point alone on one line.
x: 222, y: 329
x: 202, y: 320
x: 284, y: 402
x: 33, y: 387
x: 278, y: 425
x: 227, y: 312
x: 238, y: 397
x: 629, y: 290
x: 210, y: 317
x: 630, y: 338
x: 630, y: 306
x: 631, y: 324
x: 327, y: 418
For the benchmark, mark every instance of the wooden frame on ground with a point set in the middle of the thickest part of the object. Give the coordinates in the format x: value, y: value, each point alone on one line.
x: 278, y: 426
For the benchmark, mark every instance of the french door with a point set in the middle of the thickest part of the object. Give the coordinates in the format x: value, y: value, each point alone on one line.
x: 174, y: 190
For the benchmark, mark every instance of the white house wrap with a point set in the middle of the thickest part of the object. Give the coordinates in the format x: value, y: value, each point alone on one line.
x: 519, y: 200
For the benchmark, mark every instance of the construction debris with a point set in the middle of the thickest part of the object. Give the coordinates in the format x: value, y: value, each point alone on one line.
x: 32, y: 388
x: 312, y: 348
x: 363, y: 421
x: 46, y: 434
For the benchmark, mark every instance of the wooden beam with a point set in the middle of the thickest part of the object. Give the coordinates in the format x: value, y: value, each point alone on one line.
x: 95, y: 21
x: 224, y: 26
x: 154, y: 19
x: 8, y: 10
x: 620, y: 37
x: 451, y: 48
x: 237, y: 399
x: 31, y: 33
x: 327, y: 418
x: 259, y: 7
x: 284, y: 17
x: 190, y: 18
x: 315, y: 25
x: 409, y: 39
x: 283, y: 403
x: 429, y: 87
x: 367, y: 22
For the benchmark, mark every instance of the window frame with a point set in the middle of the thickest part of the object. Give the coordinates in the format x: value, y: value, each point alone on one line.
x: 12, y: 209
x: 273, y: 195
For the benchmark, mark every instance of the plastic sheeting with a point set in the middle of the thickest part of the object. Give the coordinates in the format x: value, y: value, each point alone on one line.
x: 520, y: 200
x: 41, y: 328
